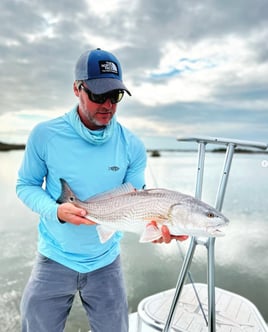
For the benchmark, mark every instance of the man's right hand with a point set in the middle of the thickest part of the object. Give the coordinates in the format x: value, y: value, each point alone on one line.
x: 67, y: 212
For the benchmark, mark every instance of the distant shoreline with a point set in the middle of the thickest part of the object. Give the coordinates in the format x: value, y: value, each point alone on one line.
x: 9, y: 147
x: 153, y: 152
x: 157, y: 152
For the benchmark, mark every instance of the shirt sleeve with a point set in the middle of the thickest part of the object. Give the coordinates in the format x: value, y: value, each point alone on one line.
x: 30, y: 187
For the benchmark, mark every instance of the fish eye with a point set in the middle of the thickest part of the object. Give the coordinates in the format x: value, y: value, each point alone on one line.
x: 210, y: 215
x: 71, y: 199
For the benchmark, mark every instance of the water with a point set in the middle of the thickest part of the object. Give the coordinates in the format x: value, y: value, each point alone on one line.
x: 241, y: 256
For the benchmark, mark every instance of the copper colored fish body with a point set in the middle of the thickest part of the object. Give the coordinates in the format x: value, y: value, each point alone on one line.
x: 127, y: 209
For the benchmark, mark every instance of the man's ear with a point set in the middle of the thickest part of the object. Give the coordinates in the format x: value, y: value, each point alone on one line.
x: 76, y: 90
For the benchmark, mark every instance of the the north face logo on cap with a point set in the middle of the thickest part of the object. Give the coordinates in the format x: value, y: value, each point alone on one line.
x: 108, y: 67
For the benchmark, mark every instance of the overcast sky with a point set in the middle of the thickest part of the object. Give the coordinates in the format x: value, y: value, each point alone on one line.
x: 193, y: 67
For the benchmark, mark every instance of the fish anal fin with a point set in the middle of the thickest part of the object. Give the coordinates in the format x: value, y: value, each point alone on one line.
x: 104, y: 233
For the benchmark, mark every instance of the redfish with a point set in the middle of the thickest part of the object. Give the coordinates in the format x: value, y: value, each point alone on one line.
x: 128, y: 209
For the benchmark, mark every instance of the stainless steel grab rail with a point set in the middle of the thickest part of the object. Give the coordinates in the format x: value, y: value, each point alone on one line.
x: 230, y: 144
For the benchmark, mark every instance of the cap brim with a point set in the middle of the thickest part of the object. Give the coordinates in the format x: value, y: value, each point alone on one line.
x: 103, y: 85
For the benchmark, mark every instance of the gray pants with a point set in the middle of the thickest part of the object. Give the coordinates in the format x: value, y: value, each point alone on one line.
x: 49, y: 294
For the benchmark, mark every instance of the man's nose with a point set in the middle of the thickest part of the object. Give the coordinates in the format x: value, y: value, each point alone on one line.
x: 108, y: 104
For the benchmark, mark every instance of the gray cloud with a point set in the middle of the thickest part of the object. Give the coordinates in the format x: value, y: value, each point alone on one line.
x: 41, y: 40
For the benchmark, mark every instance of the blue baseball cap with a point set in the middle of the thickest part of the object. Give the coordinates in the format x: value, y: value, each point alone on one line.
x: 101, y: 71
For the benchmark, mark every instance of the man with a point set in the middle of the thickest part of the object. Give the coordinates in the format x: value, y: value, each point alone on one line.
x: 93, y: 153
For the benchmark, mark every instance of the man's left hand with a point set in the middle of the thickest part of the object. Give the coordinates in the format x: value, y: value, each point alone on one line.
x: 166, y: 236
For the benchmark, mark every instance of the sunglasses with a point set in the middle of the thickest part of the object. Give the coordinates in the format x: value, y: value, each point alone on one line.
x: 114, y: 96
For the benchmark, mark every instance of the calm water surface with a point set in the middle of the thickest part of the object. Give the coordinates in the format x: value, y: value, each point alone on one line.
x: 241, y: 256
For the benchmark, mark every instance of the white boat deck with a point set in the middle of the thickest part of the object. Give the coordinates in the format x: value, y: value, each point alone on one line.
x: 233, y: 312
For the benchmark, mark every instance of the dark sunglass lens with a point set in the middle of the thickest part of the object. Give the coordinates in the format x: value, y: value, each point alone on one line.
x: 116, y: 96
x: 99, y: 99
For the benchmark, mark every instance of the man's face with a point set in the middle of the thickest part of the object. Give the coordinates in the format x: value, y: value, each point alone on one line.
x: 93, y: 115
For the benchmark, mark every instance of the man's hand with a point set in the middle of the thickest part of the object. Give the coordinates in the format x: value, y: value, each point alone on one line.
x: 67, y: 212
x: 166, y: 236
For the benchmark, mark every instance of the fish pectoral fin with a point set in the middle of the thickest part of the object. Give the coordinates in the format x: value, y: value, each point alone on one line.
x: 151, y: 233
x: 104, y: 233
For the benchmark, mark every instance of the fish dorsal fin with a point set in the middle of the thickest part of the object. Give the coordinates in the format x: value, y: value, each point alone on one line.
x: 125, y: 188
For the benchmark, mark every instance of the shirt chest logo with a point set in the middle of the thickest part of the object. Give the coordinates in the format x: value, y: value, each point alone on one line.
x: 113, y: 168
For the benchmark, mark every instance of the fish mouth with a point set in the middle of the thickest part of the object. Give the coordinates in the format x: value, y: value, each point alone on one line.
x: 216, y: 231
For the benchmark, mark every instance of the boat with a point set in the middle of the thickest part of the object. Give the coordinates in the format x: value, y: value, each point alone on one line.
x: 234, y: 312
x: 195, y: 307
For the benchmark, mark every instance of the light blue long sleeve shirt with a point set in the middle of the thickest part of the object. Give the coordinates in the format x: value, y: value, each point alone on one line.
x: 55, y: 149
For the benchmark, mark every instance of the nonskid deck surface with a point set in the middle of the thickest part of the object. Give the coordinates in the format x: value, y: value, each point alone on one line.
x: 233, y: 312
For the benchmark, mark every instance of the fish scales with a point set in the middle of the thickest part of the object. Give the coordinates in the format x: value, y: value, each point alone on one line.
x: 136, y: 206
